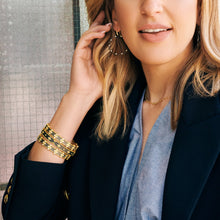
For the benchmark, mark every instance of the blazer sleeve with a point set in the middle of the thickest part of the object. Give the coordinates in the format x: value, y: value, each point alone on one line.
x: 35, y: 190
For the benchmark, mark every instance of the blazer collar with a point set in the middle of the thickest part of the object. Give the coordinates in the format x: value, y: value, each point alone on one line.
x: 196, y: 109
x: 195, y: 149
x: 107, y: 162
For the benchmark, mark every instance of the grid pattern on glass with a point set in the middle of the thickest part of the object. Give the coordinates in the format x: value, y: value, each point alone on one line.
x: 37, y: 44
x: 84, y: 24
x: 76, y: 21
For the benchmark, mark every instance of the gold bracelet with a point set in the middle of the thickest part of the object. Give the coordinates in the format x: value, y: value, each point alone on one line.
x: 58, y: 145
x: 70, y: 146
x: 52, y: 149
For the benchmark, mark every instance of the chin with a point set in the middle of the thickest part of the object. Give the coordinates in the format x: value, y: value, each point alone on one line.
x: 154, y: 57
x: 155, y: 61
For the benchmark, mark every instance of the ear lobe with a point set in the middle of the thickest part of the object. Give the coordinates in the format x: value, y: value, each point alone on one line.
x: 115, y: 22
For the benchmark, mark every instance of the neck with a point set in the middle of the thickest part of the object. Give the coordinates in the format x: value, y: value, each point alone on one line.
x: 160, y: 82
x: 161, y: 78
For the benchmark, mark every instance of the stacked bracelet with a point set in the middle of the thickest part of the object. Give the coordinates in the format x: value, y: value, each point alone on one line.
x: 52, y: 148
x: 56, y: 144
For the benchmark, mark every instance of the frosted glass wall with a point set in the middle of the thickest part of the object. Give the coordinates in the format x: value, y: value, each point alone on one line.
x: 36, y: 47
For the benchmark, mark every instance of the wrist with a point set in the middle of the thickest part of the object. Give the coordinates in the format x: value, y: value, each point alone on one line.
x: 70, y: 114
x: 82, y: 100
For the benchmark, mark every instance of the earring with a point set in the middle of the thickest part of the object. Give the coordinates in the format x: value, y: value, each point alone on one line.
x: 118, y: 34
x: 119, y: 41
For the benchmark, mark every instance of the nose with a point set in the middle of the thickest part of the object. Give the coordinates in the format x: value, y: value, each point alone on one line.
x: 151, y: 7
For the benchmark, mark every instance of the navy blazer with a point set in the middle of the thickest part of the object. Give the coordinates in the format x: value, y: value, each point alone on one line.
x: 87, y: 186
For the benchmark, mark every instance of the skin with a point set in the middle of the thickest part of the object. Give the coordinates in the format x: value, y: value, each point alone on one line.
x: 159, y: 68
x: 167, y: 55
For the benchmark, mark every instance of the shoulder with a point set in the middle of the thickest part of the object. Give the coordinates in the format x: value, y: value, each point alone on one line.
x: 197, y: 108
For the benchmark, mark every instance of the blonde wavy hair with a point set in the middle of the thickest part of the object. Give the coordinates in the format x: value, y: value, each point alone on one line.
x: 118, y: 73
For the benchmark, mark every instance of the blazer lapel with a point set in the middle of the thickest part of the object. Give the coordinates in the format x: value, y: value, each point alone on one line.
x: 106, y: 165
x: 195, y: 149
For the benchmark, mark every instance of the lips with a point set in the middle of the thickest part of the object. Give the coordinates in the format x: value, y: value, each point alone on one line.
x: 154, y: 28
x: 154, y: 33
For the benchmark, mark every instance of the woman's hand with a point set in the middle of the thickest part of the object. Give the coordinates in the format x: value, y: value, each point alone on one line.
x: 84, y: 79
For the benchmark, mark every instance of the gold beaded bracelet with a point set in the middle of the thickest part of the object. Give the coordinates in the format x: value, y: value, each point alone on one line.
x: 52, y: 149
x: 56, y: 144
x: 71, y: 146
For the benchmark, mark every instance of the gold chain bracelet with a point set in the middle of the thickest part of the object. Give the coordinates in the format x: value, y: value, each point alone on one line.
x: 71, y: 146
x: 56, y: 144
x: 52, y: 149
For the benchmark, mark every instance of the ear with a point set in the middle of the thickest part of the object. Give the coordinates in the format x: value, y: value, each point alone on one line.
x: 115, y: 22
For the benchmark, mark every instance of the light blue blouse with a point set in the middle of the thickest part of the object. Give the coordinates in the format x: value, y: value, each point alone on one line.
x: 142, y: 185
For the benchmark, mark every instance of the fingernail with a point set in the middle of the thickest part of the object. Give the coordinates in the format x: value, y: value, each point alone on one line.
x: 103, y: 32
x: 109, y: 24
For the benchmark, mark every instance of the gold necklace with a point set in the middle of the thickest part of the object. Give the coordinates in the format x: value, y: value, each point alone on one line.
x: 155, y: 103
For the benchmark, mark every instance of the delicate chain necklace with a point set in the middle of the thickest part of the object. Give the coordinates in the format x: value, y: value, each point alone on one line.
x: 155, y: 103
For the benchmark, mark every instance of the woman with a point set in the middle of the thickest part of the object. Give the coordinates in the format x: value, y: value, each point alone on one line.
x: 148, y: 149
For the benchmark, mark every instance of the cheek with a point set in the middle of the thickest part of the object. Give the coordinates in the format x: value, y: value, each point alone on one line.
x: 185, y: 25
x: 185, y: 12
x: 125, y: 11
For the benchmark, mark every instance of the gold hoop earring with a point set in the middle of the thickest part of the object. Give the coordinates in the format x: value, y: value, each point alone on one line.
x: 118, y: 37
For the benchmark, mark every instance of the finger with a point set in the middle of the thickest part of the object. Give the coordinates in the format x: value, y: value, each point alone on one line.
x: 92, y: 34
x: 87, y: 40
x: 99, y: 19
x: 100, y: 28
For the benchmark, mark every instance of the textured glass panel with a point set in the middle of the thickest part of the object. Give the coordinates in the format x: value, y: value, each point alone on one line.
x: 36, y: 46
x: 76, y: 20
x: 83, y: 17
